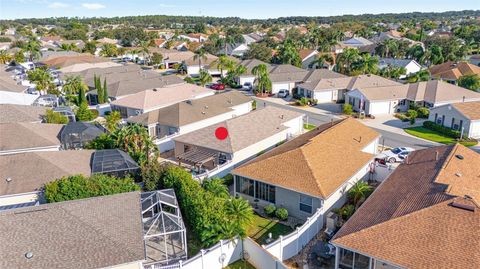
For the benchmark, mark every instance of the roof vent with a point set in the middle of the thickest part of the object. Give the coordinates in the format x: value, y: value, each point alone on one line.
x: 460, y: 157
x: 203, y: 112
x: 470, y: 208
x: 281, y: 116
x: 29, y: 255
x: 206, y: 107
x: 189, y: 102
x: 458, y: 174
x: 8, y: 179
x: 154, y: 90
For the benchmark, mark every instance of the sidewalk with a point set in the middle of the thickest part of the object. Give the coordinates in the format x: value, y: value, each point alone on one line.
x: 390, y: 123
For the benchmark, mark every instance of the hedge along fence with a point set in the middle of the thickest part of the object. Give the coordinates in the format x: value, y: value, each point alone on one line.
x: 441, y: 129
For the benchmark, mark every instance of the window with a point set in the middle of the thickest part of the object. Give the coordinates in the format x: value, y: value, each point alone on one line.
x: 222, y: 158
x: 172, y: 130
x: 306, y: 203
x: 402, y: 102
x: 245, y: 186
x: 265, y: 192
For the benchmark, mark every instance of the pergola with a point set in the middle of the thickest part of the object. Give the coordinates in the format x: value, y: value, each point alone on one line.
x: 164, y: 232
x: 197, y: 157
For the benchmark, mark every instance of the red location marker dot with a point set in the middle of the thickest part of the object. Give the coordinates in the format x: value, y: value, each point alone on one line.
x: 221, y: 133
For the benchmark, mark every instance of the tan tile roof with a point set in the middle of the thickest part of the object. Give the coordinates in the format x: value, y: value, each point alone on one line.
x: 191, y: 111
x: 20, y: 113
x: 24, y: 135
x: 315, y: 161
x: 418, y: 227
x: 159, y: 41
x: 163, y: 96
x: 30, y: 171
x: 243, y: 131
x: 65, y: 61
x: 453, y: 70
x: 471, y: 110
x: 97, y: 232
x: 134, y: 85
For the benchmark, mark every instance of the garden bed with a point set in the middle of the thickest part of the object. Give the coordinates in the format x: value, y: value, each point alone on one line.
x: 240, y: 265
x: 434, y: 136
x: 308, y: 126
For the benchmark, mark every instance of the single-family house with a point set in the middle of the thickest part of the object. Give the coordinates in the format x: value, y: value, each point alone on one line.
x: 77, y: 63
x: 357, y: 42
x: 318, y: 74
x: 12, y: 92
x: 286, y: 77
x: 98, y: 232
x: 159, y: 42
x: 411, y: 66
x: 21, y: 113
x: 392, y: 99
x: 463, y: 117
x: 308, y: 57
x: 173, y: 57
x: 195, y: 37
x: 452, y: 71
x: 28, y: 137
x: 23, y: 187
x: 155, y: 98
x: 309, y: 172
x: 424, y: 215
x: 334, y: 89
x: 252, y: 38
x: 193, y: 65
x: 474, y: 59
x: 234, y: 49
x: 166, y: 123
x: 249, y: 64
x: 247, y: 136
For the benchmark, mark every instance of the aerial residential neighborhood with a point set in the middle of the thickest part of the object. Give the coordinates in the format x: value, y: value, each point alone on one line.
x: 239, y: 135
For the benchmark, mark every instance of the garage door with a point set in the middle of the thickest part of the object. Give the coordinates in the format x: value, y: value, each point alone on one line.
x: 323, y: 97
x: 475, y: 132
x: 280, y: 86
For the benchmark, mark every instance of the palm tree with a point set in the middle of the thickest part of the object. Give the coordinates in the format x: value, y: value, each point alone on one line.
x: 224, y: 63
x: 112, y: 121
x: 5, y: 57
x: 422, y: 75
x: 135, y: 140
x: 204, y: 77
x: 42, y: 79
x: 264, y: 84
x: 69, y: 47
x: 200, y: 54
x: 73, y: 84
x: 145, y: 50
x: 109, y: 50
x: 346, y: 58
x: 359, y: 192
x: 217, y: 187
x: 33, y: 48
x: 321, y: 60
x: 239, y: 212
x: 366, y: 64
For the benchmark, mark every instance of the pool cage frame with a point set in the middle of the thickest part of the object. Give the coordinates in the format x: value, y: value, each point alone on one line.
x: 162, y: 219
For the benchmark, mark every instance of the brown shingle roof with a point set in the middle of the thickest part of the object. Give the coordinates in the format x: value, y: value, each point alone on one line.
x: 191, y: 111
x: 20, y: 113
x: 23, y: 135
x: 89, y: 233
x: 471, y: 110
x: 410, y: 221
x: 453, y: 70
x: 64, y: 61
x: 315, y: 161
x: 30, y: 171
x: 304, y: 53
x: 243, y: 131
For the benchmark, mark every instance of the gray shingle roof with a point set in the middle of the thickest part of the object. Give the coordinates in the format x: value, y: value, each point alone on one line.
x: 89, y: 233
x: 17, y: 136
x: 20, y: 113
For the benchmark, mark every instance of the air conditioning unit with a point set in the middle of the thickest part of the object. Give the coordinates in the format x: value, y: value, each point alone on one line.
x: 331, y: 225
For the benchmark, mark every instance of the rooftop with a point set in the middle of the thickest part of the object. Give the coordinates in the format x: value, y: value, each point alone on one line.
x: 434, y: 195
x: 135, y: 84
x: 191, y: 111
x: 89, y: 233
x: 21, y: 113
x: 349, y: 83
x: 243, y: 131
x: 23, y: 135
x: 316, y: 160
x: 453, y: 70
x: 471, y: 110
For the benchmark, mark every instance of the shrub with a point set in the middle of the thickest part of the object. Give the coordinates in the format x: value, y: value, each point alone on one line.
x: 347, y: 109
x: 401, y: 117
x: 55, y: 117
x: 269, y: 210
x: 228, y: 179
x: 423, y: 112
x: 412, y: 113
x: 281, y: 213
x: 441, y: 129
x: 151, y: 174
x: 84, y: 114
x: 347, y: 211
x: 303, y: 101
x: 80, y: 187
x: 104, y: 141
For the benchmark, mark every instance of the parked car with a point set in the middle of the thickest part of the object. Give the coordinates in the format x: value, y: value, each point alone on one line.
x: 283, y: 93
x: 247, y: 86
x: 397, y: 154
x: 218, y: 87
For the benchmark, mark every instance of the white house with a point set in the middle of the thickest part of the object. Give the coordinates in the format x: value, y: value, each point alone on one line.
x: 411, y: 66
x: 195, y: 37
x: 463, y: 117
x: 246, y: 136
x: 392, y: 99
x: 166, y: 123
x: 308, y: 56
x: 309, y: 172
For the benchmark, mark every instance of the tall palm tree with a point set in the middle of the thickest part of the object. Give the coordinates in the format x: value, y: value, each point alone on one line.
x: 135, y: 140
x: 200, y: 54
x: 33, y: 48
x: 204, y: 77
x: 73, y: 84
x: 144, y: 47
x: 346, y: 58
x: 112, y: 121
x: 224, y: 63
x: 217, y: 187
x: 239, y: 212
x: 5, y: 57
x: 366, y: 64
x: 262, y: 79
x: 42, y: 79
x: 322, y: 59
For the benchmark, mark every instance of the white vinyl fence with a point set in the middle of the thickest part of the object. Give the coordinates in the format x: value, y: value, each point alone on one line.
x: 290, y: 245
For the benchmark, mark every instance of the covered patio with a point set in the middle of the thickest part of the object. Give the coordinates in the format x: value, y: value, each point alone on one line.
x: 199, y: 160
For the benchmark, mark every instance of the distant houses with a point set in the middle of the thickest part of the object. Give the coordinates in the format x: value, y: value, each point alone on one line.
x: 452, y: 71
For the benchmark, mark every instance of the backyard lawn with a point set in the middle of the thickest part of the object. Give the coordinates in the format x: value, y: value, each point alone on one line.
x: 435, y: 136
x: 240, y: 265
x: 308, y: 126
x: 261, y: 227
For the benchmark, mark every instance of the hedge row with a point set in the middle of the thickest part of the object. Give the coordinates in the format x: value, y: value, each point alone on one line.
x: 441, y: 129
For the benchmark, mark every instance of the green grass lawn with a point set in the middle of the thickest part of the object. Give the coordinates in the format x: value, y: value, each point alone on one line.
x: 261, y: 227
x: 435, y: 136
x: 308, y: 126
x: 240, y: 265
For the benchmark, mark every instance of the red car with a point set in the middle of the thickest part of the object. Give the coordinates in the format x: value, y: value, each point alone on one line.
x: 218, y: 87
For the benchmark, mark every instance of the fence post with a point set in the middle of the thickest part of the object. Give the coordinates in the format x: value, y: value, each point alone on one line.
x: 202, y: 252
x: 298, y: 239
x: 308, y: 229
x: 281, y: 247
x: 180, y: 263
